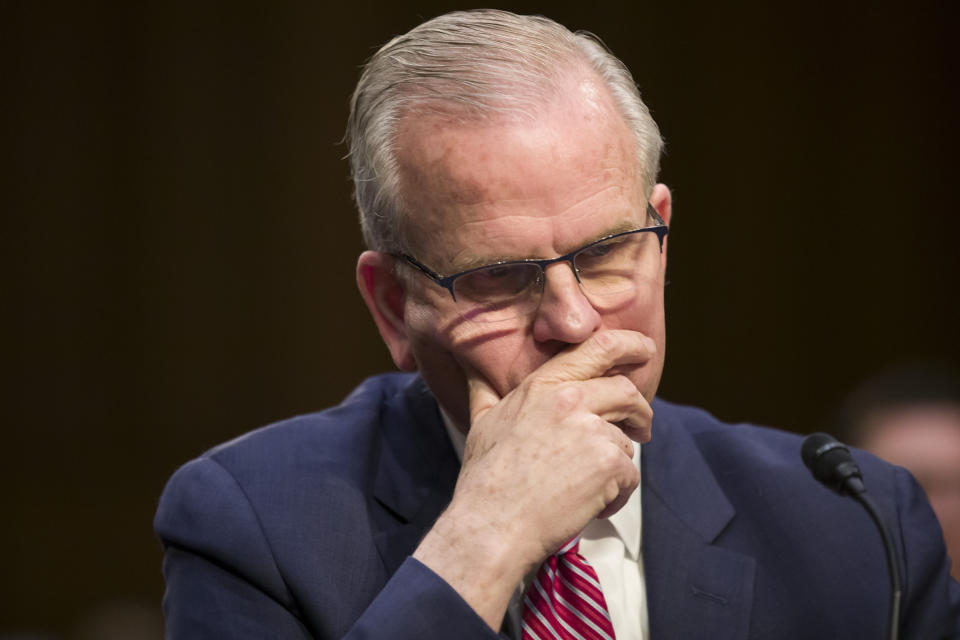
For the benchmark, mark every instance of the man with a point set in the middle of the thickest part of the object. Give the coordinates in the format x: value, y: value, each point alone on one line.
x: 505, y: 172
x: 910, y: 416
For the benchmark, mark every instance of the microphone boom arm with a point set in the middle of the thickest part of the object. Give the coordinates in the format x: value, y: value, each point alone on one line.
x: 831, y: 464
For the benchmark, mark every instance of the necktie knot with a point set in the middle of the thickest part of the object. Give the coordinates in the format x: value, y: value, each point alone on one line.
x: 564, y: 601
x: 572, y: 546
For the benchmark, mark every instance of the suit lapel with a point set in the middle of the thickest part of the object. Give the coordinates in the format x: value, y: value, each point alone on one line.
x: 695, y: 589
x: 416, y: 473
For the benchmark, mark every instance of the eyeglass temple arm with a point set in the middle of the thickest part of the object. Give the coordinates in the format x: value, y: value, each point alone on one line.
x: 655, y: 215
x: 661, y: 228
x: 422, y: 267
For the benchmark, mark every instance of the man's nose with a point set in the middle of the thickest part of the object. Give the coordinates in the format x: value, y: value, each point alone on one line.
x: 565, y: 314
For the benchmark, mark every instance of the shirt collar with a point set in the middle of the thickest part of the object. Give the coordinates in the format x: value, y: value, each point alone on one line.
x: 626, y: 522
x: 457, y: 438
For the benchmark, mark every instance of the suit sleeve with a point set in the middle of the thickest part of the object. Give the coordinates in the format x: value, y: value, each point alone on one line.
x: 222, y: 580
x: 931, y: 606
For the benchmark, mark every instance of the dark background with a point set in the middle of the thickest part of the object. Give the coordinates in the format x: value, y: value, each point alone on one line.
x: 180, y: 245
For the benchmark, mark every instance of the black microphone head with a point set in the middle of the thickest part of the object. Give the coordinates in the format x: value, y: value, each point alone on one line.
x: 831, y: 463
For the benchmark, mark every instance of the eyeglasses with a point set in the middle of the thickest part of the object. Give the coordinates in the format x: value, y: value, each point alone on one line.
x: 608, y: 270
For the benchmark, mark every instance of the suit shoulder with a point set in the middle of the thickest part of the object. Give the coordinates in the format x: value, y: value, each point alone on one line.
x: 336, y: 447
x: 327, y: 439
x: 701, y: 423
x: 746, y: 446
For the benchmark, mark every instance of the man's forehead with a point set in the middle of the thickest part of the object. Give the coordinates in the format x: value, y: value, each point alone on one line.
x: 452, y: 240
x: 485, y: 187
x: 469, y: 152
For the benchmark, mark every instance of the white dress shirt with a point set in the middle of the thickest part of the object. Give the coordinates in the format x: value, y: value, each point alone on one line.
x: 613, y: 548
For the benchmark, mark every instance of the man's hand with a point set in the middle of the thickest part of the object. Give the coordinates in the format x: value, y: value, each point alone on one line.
x: 539, y: 464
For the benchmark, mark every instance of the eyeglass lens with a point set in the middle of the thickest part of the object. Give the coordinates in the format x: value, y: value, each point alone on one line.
x: 606, y: 270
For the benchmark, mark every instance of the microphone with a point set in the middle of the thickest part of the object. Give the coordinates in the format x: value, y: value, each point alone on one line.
x: 831, y: 464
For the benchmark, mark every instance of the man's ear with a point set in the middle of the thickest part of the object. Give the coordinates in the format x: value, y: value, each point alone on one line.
x: 384, y: 293
x: 662, y: 201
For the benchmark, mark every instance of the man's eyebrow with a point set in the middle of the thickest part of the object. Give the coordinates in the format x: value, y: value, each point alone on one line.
x: 620, y: 227
x: 473, y: 263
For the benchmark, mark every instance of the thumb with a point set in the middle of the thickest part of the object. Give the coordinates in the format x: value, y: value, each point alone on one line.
x: 482, y: 395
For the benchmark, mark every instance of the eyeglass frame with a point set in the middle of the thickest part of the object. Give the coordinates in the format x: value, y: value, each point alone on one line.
x: 660, y: 229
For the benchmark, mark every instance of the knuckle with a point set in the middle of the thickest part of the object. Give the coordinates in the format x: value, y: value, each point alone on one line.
x: 645, y: 409
x: 611, y: 491
x: 567, y: 397
x: 626, y: 386
x: 612, y: 458
x: 530, y: 385
x: 605, y: 343
x: 633, y: 481
x: 598, y: 426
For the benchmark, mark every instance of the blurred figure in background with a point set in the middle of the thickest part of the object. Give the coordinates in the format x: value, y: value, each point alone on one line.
x: 910, y: 416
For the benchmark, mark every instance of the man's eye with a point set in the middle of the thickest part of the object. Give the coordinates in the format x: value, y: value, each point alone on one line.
x: 497, y: 272
x: 602, y: 251
x: 598, y: 251
x: 496, y: 282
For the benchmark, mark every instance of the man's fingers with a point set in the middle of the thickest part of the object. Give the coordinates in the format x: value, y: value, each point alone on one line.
x: 617, y: 400
x: 597, y: 355
x: 620, y: 439
x: 637, y: 432
x: 627, y: 476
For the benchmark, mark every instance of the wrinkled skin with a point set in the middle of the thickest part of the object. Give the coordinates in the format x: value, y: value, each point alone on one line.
x: 548, y: 401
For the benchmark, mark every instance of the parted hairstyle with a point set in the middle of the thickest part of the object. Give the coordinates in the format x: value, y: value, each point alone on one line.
x: 471, y: 65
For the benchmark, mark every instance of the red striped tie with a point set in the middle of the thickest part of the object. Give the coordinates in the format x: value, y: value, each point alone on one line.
x: 564, y: 601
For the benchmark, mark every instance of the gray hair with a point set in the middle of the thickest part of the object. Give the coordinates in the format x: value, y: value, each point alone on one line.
x: 471, y: 64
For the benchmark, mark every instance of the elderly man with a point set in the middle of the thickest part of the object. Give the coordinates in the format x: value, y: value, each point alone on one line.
x: 505, y: 172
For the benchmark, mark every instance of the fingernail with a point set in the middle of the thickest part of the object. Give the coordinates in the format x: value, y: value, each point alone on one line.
x: 650, y: 344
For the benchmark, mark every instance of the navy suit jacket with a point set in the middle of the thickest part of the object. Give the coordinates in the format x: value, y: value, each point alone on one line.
x: 304, y: 529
